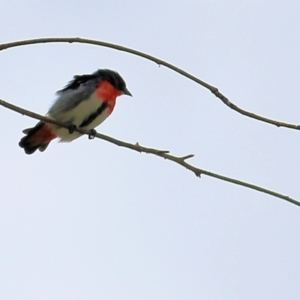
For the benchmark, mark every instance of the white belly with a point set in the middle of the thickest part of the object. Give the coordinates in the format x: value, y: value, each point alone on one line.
x: 77, y: 115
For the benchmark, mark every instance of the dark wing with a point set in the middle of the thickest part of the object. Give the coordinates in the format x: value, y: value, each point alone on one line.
x: 77, y: 82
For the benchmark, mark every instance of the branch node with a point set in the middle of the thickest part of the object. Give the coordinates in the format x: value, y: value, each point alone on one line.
x: 161, y: 152
x: 198, y: 173
x: 92, y: 134
x: 138, y: 147
x: 215, y: 91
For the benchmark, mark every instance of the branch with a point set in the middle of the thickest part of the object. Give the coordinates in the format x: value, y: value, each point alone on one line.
x: 213, y: 89
x: 162, y: 153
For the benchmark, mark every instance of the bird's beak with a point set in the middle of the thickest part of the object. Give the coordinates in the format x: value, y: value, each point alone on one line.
x: 126, y: 92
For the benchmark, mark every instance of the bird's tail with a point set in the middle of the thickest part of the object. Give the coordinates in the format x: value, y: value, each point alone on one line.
x: 37, y: 137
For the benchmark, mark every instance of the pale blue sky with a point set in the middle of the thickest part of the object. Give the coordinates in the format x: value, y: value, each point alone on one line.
x: 89, y: 220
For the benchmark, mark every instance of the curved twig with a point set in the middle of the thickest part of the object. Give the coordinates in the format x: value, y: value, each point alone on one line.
x: 213, y: 89
x: 162, y: 153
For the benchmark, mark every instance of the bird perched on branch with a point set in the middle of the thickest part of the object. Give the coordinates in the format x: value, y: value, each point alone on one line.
x: 84, y: 103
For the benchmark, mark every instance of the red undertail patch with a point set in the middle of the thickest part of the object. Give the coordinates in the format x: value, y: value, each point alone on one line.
x: 37, y: 137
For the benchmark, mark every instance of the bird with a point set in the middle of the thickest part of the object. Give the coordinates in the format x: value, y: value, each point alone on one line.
x: 85, y: 102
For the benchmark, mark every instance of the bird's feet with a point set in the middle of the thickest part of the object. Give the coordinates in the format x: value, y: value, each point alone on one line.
x: 92, y: 134
x: 72, y: 128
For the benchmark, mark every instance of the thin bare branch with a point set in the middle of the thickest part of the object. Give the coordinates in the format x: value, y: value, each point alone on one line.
x: 160, y: 62
x: 162, y: 153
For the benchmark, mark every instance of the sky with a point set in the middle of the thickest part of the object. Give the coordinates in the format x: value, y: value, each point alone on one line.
x: 91, y: 220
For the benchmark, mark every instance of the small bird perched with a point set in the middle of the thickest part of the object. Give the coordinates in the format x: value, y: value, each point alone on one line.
x: 84, y: 103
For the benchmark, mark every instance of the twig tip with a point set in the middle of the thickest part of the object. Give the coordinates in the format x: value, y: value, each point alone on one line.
x: 187, y: 156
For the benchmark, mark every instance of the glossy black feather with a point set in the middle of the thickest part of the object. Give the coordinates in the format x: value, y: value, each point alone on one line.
x: 78, y: 81
x: 112, y: 77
